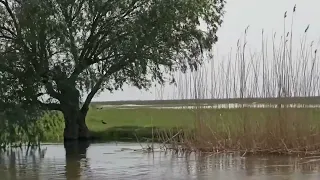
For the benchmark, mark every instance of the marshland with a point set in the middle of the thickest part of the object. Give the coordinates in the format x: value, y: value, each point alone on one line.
x: 251, y: 113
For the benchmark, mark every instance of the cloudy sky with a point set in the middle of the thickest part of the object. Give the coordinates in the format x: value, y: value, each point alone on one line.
x: 259, y: 14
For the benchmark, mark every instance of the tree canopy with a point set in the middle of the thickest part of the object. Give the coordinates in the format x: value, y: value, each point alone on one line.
x: 63, y: 49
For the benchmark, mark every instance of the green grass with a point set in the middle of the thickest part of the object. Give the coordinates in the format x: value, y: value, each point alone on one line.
x: 126, y: 124
x: 249, y: 130
x: 144, y: 117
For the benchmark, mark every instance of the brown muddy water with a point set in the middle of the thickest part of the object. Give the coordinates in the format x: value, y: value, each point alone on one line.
x: 126, y: 161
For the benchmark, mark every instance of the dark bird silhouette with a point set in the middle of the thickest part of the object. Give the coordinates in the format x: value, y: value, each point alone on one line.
x: 103, y: 122
x: 294, y: 8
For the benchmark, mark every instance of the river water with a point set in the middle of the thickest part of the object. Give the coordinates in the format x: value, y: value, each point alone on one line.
x: 125, y: 161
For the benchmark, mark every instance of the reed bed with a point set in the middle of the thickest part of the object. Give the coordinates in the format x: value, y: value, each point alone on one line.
x: 278, y: 70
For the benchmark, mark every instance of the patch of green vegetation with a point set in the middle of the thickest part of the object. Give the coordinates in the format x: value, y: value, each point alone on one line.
x: 130, y: 124
x: 17, y: 129
x: 52, y: 127
x: 112, y: 124
x: 142, y: 117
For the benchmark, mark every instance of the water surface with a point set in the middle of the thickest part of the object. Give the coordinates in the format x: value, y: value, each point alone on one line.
x: 120, y: 161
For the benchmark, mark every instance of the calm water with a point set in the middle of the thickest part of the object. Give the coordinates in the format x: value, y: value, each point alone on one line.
x: 112, y: 161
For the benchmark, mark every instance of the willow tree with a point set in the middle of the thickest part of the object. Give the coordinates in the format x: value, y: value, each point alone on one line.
x: 17, y: 115
x: 65, y: 49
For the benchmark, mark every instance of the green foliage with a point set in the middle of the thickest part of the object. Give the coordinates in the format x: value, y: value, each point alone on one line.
x: 55, y: 46
x: 17, y: 117
x: 20, y: 126
x: 54, y: 51
x: 50, y: 127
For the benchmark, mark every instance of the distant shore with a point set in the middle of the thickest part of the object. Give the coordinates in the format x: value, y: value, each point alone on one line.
x: 282, y: 100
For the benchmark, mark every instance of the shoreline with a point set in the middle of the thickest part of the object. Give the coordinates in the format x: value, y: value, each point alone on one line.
x: 275, y: 100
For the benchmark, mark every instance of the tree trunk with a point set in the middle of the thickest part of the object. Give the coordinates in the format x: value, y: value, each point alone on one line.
x: 74, y: 116
x: 71, y: 129
x: 83, y: 129
x: 75, y: 125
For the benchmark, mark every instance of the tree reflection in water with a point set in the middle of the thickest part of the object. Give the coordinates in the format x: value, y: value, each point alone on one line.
x: 25, y: 164
x: 21, y: 163
x: 76, y: 158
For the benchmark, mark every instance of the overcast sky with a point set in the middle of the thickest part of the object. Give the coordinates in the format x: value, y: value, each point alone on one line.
x: 267, y: 14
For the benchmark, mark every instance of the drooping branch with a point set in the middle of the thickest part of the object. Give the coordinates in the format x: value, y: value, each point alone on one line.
x: 18, y: 35
x: 31, y: 53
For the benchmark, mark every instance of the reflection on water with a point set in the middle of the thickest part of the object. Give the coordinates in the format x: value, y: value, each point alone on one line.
x: 116, y: 161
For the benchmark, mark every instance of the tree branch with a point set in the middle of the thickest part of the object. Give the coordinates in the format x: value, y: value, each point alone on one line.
x: 2, y: 28
x: 88, y: 42
x: 9, y: 10
x: 78, y: 10
x: 97, y: 86
x: 50, y: 106
x: 94, y: 38
x: 51, y: 91
x: 19, y: 34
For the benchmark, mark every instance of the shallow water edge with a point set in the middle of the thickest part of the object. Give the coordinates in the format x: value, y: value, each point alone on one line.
x: 125, y: 161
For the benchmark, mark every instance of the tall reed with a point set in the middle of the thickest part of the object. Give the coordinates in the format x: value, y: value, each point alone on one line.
x: 278, y: 71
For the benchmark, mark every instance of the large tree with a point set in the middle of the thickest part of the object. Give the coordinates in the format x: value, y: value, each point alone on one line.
x: 63, y: 49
